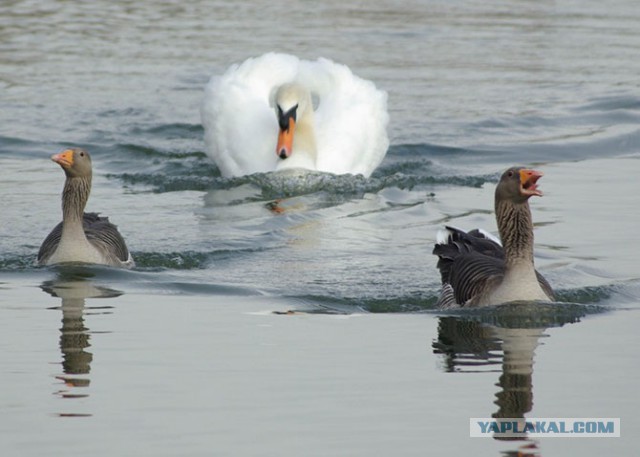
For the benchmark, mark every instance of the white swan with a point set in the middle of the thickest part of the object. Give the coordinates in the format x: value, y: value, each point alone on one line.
x: 259, y: 116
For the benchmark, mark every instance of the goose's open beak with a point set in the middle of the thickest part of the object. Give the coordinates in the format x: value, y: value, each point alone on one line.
x: 528, y: 182
x: 64, y: 159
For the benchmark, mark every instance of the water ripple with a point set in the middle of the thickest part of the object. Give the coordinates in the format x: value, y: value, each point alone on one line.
x: 406, y: 168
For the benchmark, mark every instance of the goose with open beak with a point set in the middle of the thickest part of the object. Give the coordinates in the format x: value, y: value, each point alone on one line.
x: 478, y: 270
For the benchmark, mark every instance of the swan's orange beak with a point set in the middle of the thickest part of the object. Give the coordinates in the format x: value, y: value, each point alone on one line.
x: 528, y: 182
x: 285, y: 140
x: 64, y: 159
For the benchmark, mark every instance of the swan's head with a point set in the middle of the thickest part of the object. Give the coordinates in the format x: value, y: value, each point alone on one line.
x: 75, y: 162
x: 291, y: 102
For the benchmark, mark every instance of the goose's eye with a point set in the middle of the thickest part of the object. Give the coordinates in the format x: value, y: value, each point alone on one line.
x: 82, y: 154
x: 510, y: 174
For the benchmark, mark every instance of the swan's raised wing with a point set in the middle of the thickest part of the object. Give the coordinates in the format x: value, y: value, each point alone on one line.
x: 351, y: 118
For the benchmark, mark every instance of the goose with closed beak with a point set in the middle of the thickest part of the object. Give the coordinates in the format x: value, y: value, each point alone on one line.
x: 82, y: 237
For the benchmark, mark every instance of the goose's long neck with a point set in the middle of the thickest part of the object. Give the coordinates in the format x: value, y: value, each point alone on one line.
x: 516, y: 232
x: 74, y: 199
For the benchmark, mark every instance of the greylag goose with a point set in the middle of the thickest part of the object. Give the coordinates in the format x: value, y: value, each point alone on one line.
x: 82, y: 237
x: 476, y: 270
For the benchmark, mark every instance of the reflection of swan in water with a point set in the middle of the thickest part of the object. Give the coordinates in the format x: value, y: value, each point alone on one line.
x: 74, y: 335
x: 259, y: 117
x: 472, y: 343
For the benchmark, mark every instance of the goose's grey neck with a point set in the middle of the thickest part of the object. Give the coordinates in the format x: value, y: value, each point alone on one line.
x: 516, y: 231
x: 74, y: 199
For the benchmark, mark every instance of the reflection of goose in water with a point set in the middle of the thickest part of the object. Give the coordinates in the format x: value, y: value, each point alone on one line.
x: 468, y: 345
x: 507, y: 337
x: 259, y: 117
x: 74, y: 335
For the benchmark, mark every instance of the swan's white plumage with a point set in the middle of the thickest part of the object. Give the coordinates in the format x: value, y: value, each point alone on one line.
x: 241, y: 128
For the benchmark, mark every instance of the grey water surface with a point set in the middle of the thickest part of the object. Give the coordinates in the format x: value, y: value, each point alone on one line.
x: 312, y: 331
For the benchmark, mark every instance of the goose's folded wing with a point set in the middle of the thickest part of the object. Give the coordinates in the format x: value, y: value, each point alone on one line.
x: 473, y: 275
x: 453, y: 243
x: 546, y: 287
x: 105, y: 236
x: 481, y: 242
x: 50, y: 244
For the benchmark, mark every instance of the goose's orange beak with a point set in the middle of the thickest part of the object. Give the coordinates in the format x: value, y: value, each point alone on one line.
x: 64, y: 159
x: 285, y: 139
x: 528, y: 182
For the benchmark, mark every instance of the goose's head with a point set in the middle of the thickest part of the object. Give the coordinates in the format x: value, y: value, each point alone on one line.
x: 517, y: 184
x: 292, y: 103
x: 75, y: 162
